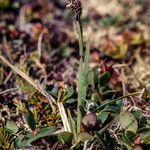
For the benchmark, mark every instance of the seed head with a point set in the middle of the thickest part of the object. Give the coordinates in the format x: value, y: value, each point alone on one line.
x: 76, y: 7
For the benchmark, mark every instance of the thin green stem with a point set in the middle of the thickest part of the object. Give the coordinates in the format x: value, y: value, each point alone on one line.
x: 115, y: 100
x: 82, y: 78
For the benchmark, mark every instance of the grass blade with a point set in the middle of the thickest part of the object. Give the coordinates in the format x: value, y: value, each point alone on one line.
x: 37, y: 86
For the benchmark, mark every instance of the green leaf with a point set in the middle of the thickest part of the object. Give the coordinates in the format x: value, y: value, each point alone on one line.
x: 65, y: 137
x: 49, y: 131
x: 11, y: 125
x: 95, y: 97
x: 137, y: 114
x: 90, y: 78
x: 96, y: 78
x: 72, y: 125
x: 83, y: 74
x: 128, y: 121
x: 93, y: 78
x: 82, y: 137
x: 30, y: 120
x: 18, y: 141
x: 130, y: 135
x: 70, y: 92
x: 114, y: 108
x: 102, y: 117
x: 70, y: 101
x: 145, y: 137
x: 81, y: 95
x: 104, y: 79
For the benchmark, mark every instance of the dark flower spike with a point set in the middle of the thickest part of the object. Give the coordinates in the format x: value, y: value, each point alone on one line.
x: 76, y: 7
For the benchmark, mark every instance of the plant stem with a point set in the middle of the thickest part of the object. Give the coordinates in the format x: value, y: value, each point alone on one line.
x: 80, y: 88
x: 80, y: 33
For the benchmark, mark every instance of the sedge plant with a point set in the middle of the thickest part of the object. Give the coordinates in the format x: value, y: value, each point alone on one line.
x: 76, y: 7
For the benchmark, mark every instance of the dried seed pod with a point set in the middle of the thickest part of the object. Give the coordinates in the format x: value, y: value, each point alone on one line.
x: 76, y: 7
x: 88, y: 122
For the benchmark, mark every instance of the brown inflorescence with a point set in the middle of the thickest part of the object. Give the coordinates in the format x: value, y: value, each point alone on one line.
x: 76, y: 7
